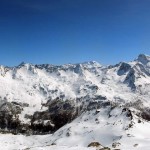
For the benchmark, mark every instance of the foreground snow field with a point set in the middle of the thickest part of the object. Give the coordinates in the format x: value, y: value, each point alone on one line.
x: 20, y: 142
x: 69, y: 107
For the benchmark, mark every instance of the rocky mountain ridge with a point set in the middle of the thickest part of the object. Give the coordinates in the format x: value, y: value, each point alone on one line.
x: 48, y: 99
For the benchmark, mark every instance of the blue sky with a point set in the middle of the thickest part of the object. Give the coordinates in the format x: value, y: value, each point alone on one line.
x: 71, y: 31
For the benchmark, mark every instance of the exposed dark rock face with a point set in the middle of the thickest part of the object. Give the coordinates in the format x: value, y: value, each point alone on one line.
x: 145, y: 114
x: 128, y: 112
x: 124, y: 68
x: 130, y: 79
x: 9, y: 116
x: 95, y: 144
x: 116, y: 144
x: 99, y: 97
x: 141, y: 70
x: 97, y: 105
x: 143, y: 59
x: 58, y: 114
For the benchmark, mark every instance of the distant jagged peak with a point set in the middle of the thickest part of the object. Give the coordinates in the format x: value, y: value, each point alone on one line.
x: 123, y: 68
x: 87, y: 64
x: 24, y: 64
x: 27, y: 66
x: 91, y: 64
x: 144, y: 59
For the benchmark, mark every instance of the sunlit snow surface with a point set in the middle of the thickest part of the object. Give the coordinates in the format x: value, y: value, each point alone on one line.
x: 34, y: 85
x: 86, y: 128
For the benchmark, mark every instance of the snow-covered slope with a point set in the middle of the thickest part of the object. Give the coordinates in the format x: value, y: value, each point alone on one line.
x: 76, y: 104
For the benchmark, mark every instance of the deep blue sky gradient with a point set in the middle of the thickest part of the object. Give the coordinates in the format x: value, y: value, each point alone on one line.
x: 71, y: 31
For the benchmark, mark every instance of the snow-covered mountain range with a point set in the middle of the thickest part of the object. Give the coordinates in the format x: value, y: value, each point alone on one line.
x: 76, y: 104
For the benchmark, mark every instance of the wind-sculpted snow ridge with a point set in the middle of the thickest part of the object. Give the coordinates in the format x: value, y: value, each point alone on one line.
x: 85, y: 105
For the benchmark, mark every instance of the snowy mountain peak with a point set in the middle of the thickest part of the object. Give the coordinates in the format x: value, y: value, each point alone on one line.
x: 94, y: 63
x: 22, y: 64
x: 76, y: 101
x: 144, y: 59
